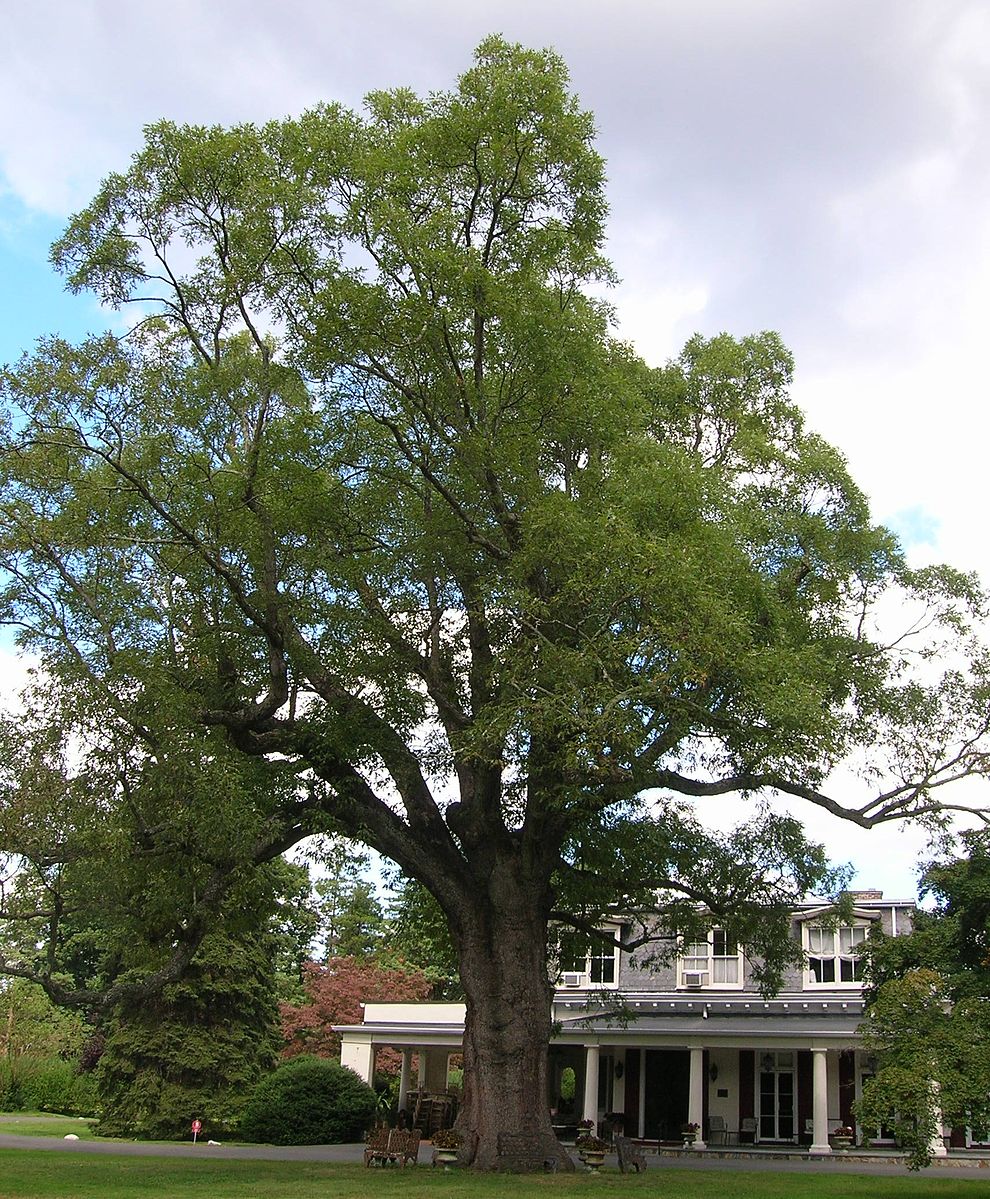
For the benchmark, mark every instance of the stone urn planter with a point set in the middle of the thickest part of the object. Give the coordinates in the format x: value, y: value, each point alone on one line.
x: 446, y: 1144
x: 591, y: 1151
x: 594, y: 1159
x: 843, y: 1138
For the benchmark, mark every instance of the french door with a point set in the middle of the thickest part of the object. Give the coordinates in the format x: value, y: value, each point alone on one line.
x: 776, y: 1098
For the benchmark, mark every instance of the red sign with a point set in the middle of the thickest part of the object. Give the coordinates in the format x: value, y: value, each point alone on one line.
x: 197, y: 1125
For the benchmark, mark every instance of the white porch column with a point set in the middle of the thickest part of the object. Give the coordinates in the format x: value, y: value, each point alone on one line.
x: 696, y: 1095
x: 421, y: 1071
x: 359, y: 1056
x: 819, y: 1109
x: 405, y: 1075
x: 590, y: 1108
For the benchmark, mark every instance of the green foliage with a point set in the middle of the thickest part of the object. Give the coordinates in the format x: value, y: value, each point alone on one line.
x: 308, y: 1101
x: 194, y: 1049
x: 31, y: 1025
x: 419, y: 934
x: 46, y: 1085
x: 928, y: 1018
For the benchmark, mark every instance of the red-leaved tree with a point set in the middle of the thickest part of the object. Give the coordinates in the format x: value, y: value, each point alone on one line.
x: 336, y: 992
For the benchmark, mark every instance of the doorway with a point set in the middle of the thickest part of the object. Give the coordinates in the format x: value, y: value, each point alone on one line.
x: 668, y: 1075
x: 776, y: 1096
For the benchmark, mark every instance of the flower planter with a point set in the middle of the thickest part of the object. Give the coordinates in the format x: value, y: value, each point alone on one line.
x: 594, y: 1159
x: 842, y: 1142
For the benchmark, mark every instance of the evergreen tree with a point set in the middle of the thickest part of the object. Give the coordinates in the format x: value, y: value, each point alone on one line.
x: 196, y: 1048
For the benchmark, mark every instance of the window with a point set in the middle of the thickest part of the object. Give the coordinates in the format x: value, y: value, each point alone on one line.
x: 714, y: 962
x: 833, y: 955
x: 586, y: 963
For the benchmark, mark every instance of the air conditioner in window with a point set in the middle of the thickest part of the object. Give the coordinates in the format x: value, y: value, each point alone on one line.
x: 571, y: 978
x: 695, y: 978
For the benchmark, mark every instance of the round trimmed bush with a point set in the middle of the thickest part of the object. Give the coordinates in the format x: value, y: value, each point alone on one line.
x: 308, y: 1101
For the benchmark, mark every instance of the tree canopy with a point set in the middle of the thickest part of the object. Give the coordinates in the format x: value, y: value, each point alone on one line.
x: 371, y: 525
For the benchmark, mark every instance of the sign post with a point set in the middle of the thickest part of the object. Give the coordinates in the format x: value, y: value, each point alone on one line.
x: 197, y: 1126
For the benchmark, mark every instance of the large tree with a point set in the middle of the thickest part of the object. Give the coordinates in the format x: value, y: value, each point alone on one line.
x: 369, y: 492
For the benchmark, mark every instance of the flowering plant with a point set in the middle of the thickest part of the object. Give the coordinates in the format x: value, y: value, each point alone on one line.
x: 586, y: 1123
x: 590, y: 1144
x: 689, y: 1127
x: 844, y: 1131
x: 446, y: 1138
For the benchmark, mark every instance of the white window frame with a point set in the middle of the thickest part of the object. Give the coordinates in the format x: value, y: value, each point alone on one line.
x: 700, y: 958
x: 837, y: 944
x: 598, y: 952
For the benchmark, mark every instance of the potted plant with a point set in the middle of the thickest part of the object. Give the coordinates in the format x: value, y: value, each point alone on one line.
x: 689, y: 1132
x: 591, y: 1150
x: 446, y: 1142
x: 843, y: 1137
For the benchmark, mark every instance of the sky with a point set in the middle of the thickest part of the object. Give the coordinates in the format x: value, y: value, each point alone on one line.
x: 816, y: 168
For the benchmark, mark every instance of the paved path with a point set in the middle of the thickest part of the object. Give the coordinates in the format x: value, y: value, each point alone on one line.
x: 957, y: 1168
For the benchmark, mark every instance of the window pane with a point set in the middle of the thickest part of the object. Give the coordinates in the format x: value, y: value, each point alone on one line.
x: 725, y: 970
x: 722, y: 947
x: 823, y: 969
x: 851, y: 938
x: 821, y: 941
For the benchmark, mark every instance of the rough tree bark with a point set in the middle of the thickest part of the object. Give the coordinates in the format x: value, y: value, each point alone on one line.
x: 502, y: 946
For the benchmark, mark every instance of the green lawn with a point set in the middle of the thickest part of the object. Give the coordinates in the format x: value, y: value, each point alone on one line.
x: 41, y: 1124
x: 29, y: 1174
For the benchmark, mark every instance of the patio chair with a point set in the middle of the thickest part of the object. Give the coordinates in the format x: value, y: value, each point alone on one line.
x: 718, y: 1133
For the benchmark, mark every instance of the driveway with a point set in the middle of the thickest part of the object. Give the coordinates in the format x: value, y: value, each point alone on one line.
x: 963, y: 1168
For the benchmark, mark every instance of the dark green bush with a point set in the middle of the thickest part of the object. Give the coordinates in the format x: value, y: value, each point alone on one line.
x: 308, y: 1101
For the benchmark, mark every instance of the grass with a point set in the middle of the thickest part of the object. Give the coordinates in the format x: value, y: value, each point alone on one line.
x: 29, y: 1174
x: 41, y: 1124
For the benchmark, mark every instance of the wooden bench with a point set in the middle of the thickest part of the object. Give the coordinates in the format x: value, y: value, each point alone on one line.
x: 400, y: 1147
x: 631, y: 1157
x: 376, y: 1145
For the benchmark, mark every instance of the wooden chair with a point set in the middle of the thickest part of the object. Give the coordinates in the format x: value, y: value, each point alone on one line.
x: 631, y: 1157
x: 376, y: 1145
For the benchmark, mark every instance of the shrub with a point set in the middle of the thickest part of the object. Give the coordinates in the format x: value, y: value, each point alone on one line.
x: 308, y: 1101
x: 46, y: 1085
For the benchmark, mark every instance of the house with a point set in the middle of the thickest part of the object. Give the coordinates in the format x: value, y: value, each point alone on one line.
x: 704, y: 1046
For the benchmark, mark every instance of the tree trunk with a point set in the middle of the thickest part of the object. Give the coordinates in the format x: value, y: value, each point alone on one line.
x: 505, y: 1116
